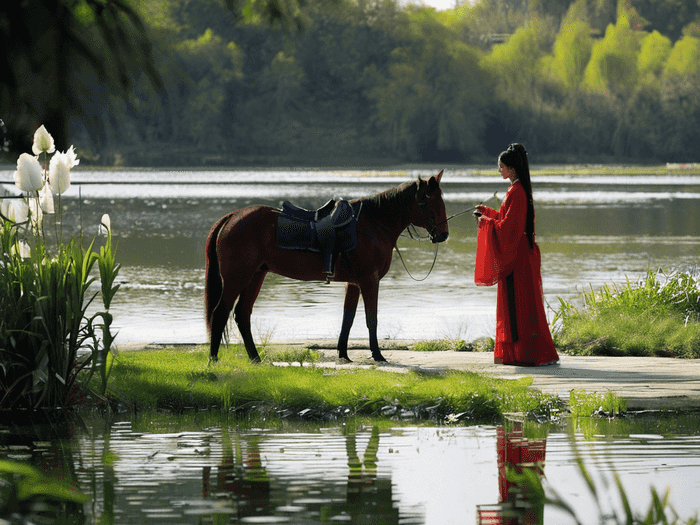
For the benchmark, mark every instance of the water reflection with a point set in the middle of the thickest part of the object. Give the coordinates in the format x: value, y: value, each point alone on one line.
x: 515, y: 454
x: 201, y: 469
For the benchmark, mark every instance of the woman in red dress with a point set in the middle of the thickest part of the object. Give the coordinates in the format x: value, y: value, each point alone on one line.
x: 507, y: 254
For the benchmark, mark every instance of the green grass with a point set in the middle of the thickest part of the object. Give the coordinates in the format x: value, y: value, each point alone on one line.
x: 658, y: 315
x: 458, y: 345
x: 584, y: 404
x: 179, y: 380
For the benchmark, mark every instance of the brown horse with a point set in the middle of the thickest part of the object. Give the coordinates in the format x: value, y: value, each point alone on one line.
x: 241, y: 249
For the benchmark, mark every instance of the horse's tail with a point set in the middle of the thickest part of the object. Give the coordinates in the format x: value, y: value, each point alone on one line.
x: 213, y: 287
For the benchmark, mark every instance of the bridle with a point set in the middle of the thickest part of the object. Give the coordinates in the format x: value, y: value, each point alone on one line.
x: 427, y: 213
x: 429, y: 219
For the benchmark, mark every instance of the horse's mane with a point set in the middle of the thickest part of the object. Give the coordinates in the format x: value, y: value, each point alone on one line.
x: 392, y: 202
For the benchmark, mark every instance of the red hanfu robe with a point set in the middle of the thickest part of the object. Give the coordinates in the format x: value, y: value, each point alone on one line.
x: 504, y: 256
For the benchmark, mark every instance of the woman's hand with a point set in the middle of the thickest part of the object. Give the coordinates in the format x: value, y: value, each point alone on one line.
x: 478, y: 212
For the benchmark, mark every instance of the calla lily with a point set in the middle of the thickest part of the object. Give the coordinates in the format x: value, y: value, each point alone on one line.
x: 59, y: 173
x: 105, y: 225
x: 28, y: 176
x: 46, y: 199
x: 43, y: 142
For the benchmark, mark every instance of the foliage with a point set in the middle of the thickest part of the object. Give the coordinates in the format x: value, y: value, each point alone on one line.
x: 371, y: 81
x: 175, y: 379
x: 657, y: 315
x: 437, y: 345
x: 583, y: 404
x: 29, y: 493
x: 46, y: 335
x: 572, y: 51
x: 294, y: 355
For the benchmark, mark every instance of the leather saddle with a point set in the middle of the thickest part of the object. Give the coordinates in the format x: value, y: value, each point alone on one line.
x: 331, y: 229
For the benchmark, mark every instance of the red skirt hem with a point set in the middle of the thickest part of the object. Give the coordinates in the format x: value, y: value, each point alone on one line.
x: 534, y: 351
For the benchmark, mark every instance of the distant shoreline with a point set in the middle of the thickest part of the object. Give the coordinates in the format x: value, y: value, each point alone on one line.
x: 593, y: 169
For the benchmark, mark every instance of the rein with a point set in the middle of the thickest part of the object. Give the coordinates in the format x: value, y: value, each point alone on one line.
x: 396, y: 247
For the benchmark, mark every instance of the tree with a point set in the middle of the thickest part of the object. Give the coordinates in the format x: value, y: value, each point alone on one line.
x: 684, y: 58
x: 516, y: 63
x: 572, y: 51
x: 655, y: 49
x: 668, y: 17
x: 58, y: 58
x: 433, y: 99
x: 68, y: 58
x: 613, y: 64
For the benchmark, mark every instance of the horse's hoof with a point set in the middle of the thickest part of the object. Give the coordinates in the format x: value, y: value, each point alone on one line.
x: 379, y: 358
x: 344, y: 360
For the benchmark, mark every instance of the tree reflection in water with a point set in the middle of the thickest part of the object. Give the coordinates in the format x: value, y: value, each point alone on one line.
x: 518, y: 453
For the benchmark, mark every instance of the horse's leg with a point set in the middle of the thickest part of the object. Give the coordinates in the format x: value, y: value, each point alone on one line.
x: 244, y: 308
x: 370, y: 293
x: 352, y: 296
x: 219, y: 318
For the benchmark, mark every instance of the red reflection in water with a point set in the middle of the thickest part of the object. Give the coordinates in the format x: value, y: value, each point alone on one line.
x: 518, y: 453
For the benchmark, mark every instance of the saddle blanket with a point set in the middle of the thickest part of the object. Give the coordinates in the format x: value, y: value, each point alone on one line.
x: 301, y: 229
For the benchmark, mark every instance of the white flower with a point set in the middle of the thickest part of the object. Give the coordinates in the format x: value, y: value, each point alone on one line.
x: 24, y: 250
x: 35, y: 212
x: 28, y: 176
x: 46, y: 199
x: 72, y: 157
x: 105, y: 225
x: 59, y: 173
x: 43, y: 142
x: 16, y: 210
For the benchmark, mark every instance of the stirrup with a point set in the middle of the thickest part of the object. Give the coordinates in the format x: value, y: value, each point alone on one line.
x: 329, y: 276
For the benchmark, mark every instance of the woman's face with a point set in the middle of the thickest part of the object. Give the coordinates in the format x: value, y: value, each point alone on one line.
x: 505, y: 171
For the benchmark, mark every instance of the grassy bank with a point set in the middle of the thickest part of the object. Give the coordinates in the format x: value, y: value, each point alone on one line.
x: 179, y: 380
x: 657, y: 315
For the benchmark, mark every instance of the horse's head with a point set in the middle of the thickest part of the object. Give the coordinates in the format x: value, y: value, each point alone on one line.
x: 432, y: 215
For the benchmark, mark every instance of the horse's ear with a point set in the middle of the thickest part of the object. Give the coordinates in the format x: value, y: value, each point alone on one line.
x: 434, y: 181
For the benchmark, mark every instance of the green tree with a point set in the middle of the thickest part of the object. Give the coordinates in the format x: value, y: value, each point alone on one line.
x: 59, y: 55
x: 613, y: 64
x: 433, y: 99
x: 572, y: 51
x: 684, y: 58
x: 655, y: 49
x: 517, y: 62
x: 668, y: 17
x: 66, y: 59
x: 212, y: 64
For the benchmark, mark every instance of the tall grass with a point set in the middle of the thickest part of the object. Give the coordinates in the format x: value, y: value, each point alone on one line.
x: 46, y: 337
x: 658, y: 315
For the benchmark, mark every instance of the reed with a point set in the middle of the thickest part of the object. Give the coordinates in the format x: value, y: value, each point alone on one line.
x: 657, y: 315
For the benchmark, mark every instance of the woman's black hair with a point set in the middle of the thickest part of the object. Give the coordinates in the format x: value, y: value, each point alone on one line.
x: 516, y: 157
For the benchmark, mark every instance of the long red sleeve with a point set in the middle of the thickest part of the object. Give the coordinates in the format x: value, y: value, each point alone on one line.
x: 499, y: 236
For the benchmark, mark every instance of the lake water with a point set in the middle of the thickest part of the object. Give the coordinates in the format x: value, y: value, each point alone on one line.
x: 591, y: 230
x: 156, y: 469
